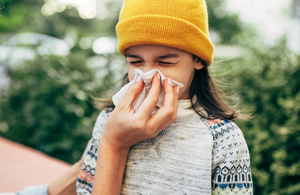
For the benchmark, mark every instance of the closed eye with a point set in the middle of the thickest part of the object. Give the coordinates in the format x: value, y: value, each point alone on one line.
x: 165, y: 63
x: 135, y: 62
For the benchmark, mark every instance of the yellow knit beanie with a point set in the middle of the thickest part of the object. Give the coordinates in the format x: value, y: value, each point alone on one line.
x: 181, y: 24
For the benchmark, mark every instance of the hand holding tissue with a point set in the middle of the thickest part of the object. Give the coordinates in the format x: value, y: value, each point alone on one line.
x: 147, y: 78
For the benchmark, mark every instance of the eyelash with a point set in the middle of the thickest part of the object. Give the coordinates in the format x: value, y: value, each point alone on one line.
x: 137, y: 62
x: 166, y: 63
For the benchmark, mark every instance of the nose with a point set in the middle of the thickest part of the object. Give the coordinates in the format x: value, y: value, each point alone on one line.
x: 148, y: 66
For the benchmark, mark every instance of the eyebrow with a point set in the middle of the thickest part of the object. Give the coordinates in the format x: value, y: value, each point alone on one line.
x: 132, y: 56
x: 158, y: 57
x: 168, y: 56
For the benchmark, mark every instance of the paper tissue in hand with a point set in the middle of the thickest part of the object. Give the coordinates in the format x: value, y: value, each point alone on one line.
x: 147, y: 78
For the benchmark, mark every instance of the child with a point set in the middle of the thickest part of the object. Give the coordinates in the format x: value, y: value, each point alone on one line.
x: 188, y: 146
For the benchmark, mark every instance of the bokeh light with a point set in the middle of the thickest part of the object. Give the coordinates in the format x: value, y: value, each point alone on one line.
x: 104, y: 45
x: 86, y: 8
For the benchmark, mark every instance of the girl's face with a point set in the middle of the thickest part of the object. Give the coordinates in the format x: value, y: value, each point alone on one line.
x: 176, y: 64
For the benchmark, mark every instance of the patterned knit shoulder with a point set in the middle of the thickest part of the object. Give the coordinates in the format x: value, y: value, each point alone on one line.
x: 231, y: 173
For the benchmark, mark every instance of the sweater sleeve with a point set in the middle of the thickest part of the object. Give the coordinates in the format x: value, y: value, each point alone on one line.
x: 231, y: 172
x: 34, y: 190
x: 86, y: 177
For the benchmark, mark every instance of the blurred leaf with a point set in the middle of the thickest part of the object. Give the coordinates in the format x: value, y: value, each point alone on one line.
x: 47, y: 107
x: 267, y: 82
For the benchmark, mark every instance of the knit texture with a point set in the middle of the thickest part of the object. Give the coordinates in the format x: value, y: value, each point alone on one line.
x: 191, y: 156
x: 33, y: 190
x: 174, y: 23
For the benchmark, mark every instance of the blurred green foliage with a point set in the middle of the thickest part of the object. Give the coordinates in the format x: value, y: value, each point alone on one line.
x: 47, y: 105
x: 19, y: 15
x: 267, y: 81
x: 26, y: 16
x: 226, y: 26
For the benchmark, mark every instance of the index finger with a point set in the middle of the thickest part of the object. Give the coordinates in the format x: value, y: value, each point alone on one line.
x: 151, y: 100
x: 131, y: 94
x: 169, y: 108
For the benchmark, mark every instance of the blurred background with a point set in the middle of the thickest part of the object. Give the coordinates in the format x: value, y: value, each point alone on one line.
x: 56, y: 54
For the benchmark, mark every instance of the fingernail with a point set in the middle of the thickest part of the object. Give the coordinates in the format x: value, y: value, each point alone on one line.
x: 169, y: 81
x: 158, y: 76
x: 138, y: 79
x: 177, y: 90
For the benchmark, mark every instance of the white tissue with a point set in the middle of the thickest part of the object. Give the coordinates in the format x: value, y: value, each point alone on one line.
x: 147, y: 78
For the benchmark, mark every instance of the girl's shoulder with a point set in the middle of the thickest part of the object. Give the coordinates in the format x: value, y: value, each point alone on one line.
x: 100, y: 123
x: 230, y: 158
x: 220, y: 128
x: 216, y: 124
x: 102, y: 117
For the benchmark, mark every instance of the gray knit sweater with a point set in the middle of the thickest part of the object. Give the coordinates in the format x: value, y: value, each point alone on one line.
x: 191, y: 156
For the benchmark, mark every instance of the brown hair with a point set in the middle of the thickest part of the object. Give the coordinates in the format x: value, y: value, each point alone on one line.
x: 208, y: 93
x: 204, y: 87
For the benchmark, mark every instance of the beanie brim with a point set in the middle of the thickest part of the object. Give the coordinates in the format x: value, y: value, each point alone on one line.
x: 164, y: 30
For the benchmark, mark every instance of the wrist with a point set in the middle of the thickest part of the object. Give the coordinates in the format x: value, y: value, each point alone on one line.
x: 106, y: 147
x: 110, y: 168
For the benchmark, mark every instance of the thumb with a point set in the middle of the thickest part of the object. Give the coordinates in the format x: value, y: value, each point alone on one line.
x: 131, y: 94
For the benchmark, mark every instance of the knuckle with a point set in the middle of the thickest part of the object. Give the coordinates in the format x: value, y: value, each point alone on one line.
x: 154, y: 101
x: 137, y: 125
x: 149, y: 133
x: 173, y: 117
x: 132, y: 89
x: 170, y: 112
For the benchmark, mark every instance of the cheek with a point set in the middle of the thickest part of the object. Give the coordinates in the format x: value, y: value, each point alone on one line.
x: 184, y: 77
x: 186, y: 80
x: 131, y: 73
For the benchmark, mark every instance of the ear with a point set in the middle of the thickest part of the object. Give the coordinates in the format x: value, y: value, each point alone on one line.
x: 198, y: 65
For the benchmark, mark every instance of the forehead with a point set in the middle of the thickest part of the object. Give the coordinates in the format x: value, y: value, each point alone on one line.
x: 153, y: 50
